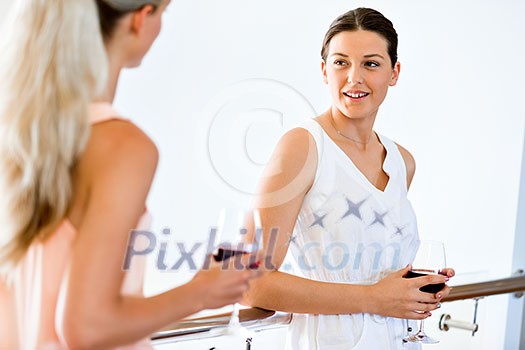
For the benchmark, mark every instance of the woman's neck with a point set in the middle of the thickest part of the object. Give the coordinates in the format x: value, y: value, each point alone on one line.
x: 356, y: 130
x: 114, y: 68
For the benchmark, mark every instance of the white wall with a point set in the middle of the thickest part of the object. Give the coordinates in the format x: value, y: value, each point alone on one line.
x: 232, y: 75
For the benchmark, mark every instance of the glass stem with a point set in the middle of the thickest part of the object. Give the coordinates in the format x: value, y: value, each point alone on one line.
x: 234, y: 319
x: 422, y: 327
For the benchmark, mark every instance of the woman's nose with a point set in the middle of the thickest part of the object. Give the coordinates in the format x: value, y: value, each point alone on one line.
x: 355, y: 76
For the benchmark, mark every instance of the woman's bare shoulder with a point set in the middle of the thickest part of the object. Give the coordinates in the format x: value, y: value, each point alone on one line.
x: 410, y: 163
x: 119, y: 144
x: 118, y: 157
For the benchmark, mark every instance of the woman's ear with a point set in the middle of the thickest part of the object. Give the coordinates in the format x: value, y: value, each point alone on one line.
x: 139, y: 16
x: 323, y: 69
x: 395, y: 74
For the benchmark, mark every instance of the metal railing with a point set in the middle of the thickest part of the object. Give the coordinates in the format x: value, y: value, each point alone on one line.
x: 256, y: 319
x: 484, y: 289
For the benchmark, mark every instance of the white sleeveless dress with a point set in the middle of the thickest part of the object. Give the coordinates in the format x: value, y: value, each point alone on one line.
x: 348, y: 231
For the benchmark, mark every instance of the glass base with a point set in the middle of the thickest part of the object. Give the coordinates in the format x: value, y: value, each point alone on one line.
x: 421, y: 337
x: 233, y: 330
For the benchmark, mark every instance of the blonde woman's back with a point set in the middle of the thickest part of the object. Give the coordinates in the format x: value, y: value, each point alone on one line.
x: 32, y: 298
x: 72, y: 193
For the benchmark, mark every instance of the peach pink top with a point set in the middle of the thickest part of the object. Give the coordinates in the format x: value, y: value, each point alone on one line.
x: 30, y: 305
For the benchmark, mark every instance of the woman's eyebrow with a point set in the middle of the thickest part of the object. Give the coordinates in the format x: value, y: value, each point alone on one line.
x: 339, y: 54
x: 365, y: 56
x: 374, y: 55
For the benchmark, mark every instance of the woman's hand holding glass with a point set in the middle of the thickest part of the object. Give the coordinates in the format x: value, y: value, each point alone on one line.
x: 238, y: 253
x: 221, y: 284
x: 396, y: 296
x: 413, y: 292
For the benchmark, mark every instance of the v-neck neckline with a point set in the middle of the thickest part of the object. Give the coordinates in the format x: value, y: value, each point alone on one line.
x: 362, y: 176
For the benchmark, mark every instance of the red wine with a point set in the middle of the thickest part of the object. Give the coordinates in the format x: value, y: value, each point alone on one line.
x: 429, y: 288
x: 226, y: 252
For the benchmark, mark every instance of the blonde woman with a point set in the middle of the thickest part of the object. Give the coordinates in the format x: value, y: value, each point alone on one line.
x: 74, y: 181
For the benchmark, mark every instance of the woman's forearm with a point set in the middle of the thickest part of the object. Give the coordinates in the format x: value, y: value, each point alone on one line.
x: 289, y: 293
x: 129, y: 319
x: 392, y: 296
x: 112, y: 321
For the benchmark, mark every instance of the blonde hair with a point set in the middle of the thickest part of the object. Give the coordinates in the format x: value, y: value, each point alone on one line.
x: 52, y: 65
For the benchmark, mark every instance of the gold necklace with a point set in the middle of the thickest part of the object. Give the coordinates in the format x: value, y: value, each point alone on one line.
x: 331, y: 118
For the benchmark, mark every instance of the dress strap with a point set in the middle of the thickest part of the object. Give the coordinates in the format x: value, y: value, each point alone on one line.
x: 102, y: 111
x: 394, y: 163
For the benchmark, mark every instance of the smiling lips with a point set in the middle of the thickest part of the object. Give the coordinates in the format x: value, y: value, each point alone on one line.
x: 356, y: 95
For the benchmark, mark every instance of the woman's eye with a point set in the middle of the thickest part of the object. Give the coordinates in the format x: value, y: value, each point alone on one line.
x: 339, y: 63
x: 372, y: 64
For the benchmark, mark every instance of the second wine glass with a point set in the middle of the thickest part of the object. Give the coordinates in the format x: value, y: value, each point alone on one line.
x: 234, y: 224
x: 430, y: 259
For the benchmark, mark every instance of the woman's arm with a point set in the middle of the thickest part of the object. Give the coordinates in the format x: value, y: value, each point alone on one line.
x: 122, y: 162
x: 290, y: 174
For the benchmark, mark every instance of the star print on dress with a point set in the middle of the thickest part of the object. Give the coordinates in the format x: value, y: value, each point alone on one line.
x: 353, y: 209
x: 379, y: 218
x: 291, y: 239
x: 399, y: 231
x: 318, y: 220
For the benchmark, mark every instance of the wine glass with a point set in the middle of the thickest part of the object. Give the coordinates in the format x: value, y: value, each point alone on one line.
x: 430, y: 259
x: 237, y: 245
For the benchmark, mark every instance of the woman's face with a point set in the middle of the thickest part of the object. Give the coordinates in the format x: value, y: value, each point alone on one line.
x: 358, y: 72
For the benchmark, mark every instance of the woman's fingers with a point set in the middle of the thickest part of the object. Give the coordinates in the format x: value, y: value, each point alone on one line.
x: 416, y: 315
x: 430, y: 279
x: 426, y: 298
x: 228, y: 281
x: 443, y: 293
x: 449, y: 272
x: 427, y: 306
x: 403, y: 271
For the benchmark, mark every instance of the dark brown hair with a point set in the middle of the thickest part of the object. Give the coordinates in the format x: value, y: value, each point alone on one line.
x: 110, y: 11
x: 364, y: 19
